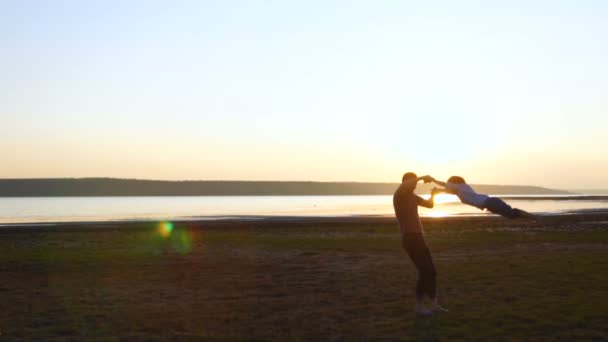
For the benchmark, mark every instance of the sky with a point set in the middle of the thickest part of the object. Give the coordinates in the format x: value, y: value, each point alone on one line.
x: 500, y: 92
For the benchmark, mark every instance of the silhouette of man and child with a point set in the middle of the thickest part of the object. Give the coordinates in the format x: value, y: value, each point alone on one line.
x: 406, y: 202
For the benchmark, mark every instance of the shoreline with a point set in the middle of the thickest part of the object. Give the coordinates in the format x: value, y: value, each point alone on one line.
x: 253, y: 221
x: 69, y: 211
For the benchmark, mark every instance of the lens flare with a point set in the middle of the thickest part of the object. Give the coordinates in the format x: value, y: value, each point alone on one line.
x: 165, y: 229
x: 172, y: 238
x: 182, y: 242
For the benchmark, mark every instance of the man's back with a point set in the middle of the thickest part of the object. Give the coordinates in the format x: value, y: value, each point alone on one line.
x: 405, y: 203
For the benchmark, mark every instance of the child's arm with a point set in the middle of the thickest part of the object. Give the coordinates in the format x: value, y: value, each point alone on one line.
x: 448, y: 188
x: 440, y: 183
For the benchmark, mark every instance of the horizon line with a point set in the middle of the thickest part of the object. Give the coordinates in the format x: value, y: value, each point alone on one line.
x: 265, y: 181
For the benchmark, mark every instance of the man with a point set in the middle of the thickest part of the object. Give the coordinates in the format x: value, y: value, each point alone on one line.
x: 406, y: 205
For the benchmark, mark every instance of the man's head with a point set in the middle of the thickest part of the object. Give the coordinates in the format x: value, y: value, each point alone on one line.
x: 456, y: 180
x: 409, y: 176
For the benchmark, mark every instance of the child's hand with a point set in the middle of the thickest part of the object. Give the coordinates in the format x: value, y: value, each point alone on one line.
x: 436, y: 191
x: 427, y: 179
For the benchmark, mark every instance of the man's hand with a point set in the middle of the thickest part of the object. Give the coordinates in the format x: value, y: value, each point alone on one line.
x: 427, y: 179
x: 436, y: 191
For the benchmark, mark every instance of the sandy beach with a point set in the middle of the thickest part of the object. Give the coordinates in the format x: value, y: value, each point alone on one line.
x: 303, y: 279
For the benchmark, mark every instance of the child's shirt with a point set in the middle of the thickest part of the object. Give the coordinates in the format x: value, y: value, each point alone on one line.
x: 467, y: 195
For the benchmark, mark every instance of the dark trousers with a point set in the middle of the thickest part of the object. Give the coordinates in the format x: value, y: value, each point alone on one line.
x: 498, y: 206
x: 416, y: 248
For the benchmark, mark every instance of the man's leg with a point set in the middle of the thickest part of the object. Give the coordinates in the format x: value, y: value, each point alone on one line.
x: 412, y: 245
x: 430, y: 276
x: 427, y: 272
x: 421, y: 286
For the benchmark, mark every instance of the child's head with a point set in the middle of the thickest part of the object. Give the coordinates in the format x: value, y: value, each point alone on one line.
x: 456, y: 180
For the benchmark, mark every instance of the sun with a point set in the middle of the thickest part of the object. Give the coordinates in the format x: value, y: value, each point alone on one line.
x: 437, y: 214
x: 445, y: 198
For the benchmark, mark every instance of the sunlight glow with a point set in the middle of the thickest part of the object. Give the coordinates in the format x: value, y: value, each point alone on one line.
x: 437, y: 214
x: 449, y: 98
x: 446, y: 198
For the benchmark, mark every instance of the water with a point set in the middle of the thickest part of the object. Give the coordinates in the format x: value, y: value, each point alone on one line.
x: 70, y: 209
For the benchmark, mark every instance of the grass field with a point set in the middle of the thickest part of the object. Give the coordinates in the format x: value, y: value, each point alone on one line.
x: 500, y: 279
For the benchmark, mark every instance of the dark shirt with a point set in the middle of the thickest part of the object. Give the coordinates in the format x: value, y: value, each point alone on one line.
x: 406, y: 209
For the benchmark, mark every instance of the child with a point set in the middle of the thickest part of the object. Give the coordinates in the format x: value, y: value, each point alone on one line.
x: 456, y: 185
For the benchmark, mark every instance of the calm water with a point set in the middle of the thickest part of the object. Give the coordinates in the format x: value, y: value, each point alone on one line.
x: 56, y: 209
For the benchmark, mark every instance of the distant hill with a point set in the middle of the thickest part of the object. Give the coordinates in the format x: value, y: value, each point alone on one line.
x: 591, y: 191
x: 133, y: 187
x: 504, y: 189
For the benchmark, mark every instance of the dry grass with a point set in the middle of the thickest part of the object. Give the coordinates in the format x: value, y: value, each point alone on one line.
x: 309, y: 282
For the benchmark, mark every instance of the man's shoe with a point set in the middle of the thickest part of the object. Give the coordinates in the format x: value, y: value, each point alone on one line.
x: 438, y: 308
x: 422, y: 311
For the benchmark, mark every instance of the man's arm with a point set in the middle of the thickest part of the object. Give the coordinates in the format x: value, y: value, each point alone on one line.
x: 426, y: 179
x: 430, y: 203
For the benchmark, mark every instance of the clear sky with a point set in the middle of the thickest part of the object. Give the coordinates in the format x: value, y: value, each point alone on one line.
x: 502, y: 92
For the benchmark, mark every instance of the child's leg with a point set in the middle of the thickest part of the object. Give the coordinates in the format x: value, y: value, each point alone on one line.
x: 523, y: 213
x: 498, y: 206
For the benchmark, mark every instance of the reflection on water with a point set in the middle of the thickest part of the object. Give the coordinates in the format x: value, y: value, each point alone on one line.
x: 53, y: 209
